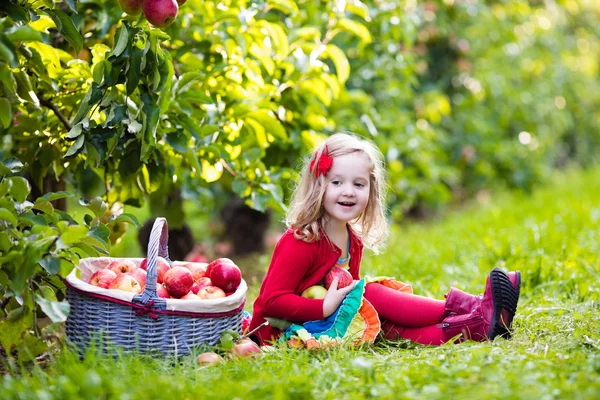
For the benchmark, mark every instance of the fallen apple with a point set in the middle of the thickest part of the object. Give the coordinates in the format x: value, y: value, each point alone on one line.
x: 178, y: 281
x: 211, y: 292
x: 315, y: 292
x: 244, y: 348
x: 102, y: 278
x: 208, y: 359
x: 344, y: 277
x: 122, y: 266
x: 224, y: 274
x: 126, y: 283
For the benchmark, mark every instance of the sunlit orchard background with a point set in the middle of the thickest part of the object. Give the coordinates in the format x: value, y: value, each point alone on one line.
x: 464, y: 98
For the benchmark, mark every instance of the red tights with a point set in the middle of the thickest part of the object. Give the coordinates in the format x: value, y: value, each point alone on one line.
x: 407, y: 316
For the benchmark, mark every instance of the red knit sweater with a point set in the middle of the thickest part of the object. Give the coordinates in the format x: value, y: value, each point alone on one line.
x: 296, y: 265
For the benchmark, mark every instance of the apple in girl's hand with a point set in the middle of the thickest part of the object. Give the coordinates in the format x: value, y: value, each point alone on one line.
x: 344, y: 277
x: 244, y: 348
x: 208, y: 359
x: 162, y: 291
x: 121, y: 266
x: 198, y: 270
x: 191, y: 296
x: 315, y: 292
x: 178, y: 281
x: 140, y: 276
x: 102, y: 278
x: 126, y: 283
x: 224, y: 274
x: 211, y: 292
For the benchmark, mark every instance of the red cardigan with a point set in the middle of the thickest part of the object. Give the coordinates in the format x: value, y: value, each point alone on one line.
x: 296, y: 265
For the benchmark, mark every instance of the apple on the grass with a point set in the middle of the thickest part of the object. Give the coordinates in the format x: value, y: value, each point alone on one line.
x: 102, y: 278
x: 140, y: 276
x: 122, y: 266
x: 244, y: 348
x: 127, y: 283
x: 224, y: 274
x: 344, y: 277
x: 209, y: 358
x: 211, y: 292
x: 315, y: 292
x: 162, y: 266
x: 178, y: 281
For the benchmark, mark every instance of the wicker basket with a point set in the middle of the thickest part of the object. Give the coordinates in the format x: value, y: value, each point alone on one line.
x: 145, y: 322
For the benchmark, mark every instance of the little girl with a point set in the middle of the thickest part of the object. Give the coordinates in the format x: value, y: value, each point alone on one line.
x: 338, y: 207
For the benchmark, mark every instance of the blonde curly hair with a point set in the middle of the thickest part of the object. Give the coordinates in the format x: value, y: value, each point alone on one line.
x: 306, y: 214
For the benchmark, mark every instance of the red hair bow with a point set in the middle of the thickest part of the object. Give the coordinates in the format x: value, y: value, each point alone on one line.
x: 323, y: 164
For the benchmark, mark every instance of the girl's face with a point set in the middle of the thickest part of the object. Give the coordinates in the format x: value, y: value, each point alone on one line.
x: 347, y: 191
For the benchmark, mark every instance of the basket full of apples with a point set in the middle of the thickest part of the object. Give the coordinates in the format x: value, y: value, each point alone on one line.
x: 152, y: 304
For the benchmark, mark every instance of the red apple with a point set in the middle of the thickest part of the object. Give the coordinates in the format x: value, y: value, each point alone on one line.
x: 344, y: 277
x: 162, y: 291
x: 244, y: 348
x: 201, y: 283
x: 122, y: 266
x: 211, y: 292
x: 127, y: 283
x: 160, y: 13
x: 102, y: 278
x: 191, y: 296
x: 198, y: 270
x: 198, y: 258
x: 131, y: 7
x: 224, y: 274
x: 162, y: 266
x: 315, y: 292
x: 178, y: 281
x: 208, y: 359
x: 140, y: 276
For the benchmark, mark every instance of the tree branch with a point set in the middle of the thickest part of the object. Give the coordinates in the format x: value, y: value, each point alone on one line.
x: 47, y: 103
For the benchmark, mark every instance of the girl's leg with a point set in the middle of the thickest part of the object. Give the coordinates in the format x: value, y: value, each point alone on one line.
x: 404, y: 309
x: 430, y: 335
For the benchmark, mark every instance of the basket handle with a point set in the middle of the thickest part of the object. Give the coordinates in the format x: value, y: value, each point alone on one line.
x: 157, y: 246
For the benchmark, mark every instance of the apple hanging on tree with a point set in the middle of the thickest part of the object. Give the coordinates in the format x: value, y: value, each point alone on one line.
x: 160, y: 13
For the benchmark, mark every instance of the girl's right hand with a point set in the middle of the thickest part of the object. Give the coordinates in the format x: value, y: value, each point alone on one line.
x: 335, y: 296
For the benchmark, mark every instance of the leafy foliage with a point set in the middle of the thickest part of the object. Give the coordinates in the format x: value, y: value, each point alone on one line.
x: 39, y: 246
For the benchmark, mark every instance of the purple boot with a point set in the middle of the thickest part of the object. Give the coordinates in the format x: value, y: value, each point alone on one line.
x: 483, y: 317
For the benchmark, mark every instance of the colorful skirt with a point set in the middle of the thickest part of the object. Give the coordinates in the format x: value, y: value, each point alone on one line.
x: 354, y: 322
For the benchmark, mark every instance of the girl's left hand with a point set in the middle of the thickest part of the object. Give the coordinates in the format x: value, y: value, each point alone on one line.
x: 335, y: 296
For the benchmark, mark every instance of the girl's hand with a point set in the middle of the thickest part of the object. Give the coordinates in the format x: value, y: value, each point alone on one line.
x: 335, y: 296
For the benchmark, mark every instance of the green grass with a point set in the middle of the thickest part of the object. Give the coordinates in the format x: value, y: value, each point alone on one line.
x: 551, y: 236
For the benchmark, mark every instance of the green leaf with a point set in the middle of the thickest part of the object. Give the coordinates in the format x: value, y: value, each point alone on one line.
x: 56, y: 195
x: 100, y: 232
x: 270, y: 123
x: 121, y: 41
x: 74, y: 233
x: 65, y: 24
x: 11, y: 164
x: 134, y: 70
x: 75, y: 147
x: 86, y: 104
x: 96, y: 205
x: 8, y: 216
x: 8, y: 54
x: 72, y: 5
x: 13, y: 327
x: 23, y: 34
x: 24, y: 88
x: 57, y: 311
x: 355, y: 28
x: 51, y: 265
x: 5, y: 113
x: 19, y: 188
x: 125, y: 217
x: 342, y: 66
x: 75, y: 131
x: 43, y: 205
